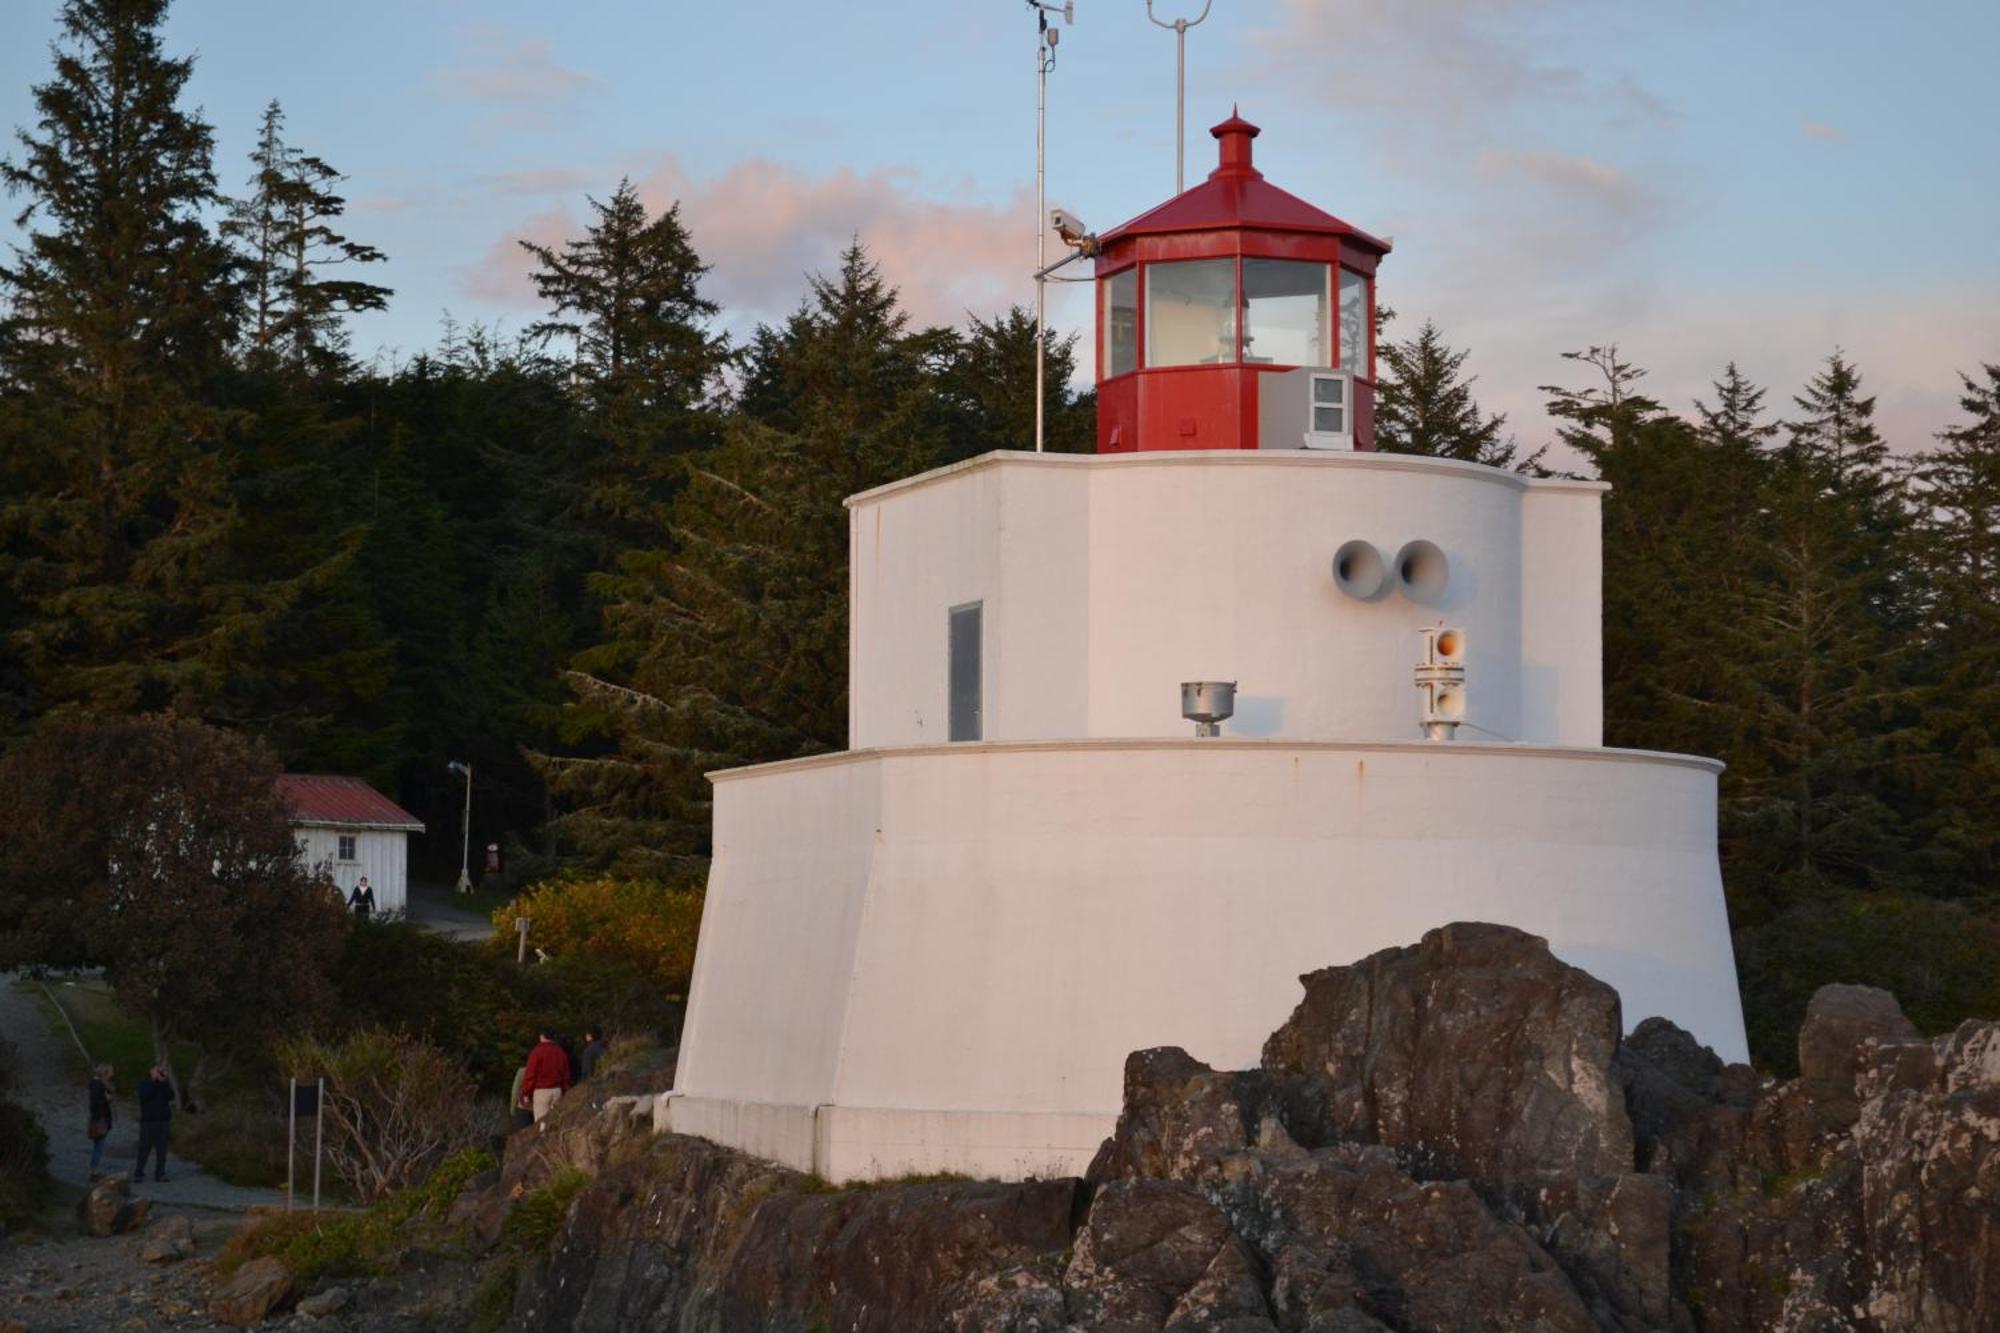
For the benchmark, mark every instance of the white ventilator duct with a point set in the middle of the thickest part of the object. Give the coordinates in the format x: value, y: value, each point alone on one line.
x: 1422, y: 571
x: 1361, y: 570
x: 1440, y: 680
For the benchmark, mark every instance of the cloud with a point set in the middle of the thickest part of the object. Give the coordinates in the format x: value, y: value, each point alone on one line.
x: 1820, y: 132
x: 763, y: 227
x: 516, y: 78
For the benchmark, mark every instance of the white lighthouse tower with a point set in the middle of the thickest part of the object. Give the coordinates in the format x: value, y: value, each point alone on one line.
x: 933, y: 951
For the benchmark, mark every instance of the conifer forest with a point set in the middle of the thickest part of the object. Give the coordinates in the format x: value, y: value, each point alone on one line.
x: 605, y: 555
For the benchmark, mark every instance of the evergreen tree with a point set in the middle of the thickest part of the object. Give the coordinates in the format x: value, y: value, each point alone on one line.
x: 988, y: 391
x: 119, y: 306
x: 730, y: 646
x: 1825, y: 642
x: 1424, y: 405
x: 1958, y: 541
x: 283, y: 229
x: 627, y: 296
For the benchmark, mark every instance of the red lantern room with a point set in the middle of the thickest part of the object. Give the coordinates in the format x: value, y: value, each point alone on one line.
x: 1236, y: 316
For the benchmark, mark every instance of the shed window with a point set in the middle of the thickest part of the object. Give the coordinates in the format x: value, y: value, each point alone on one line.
x: 1354, y: 331
x: 1284, y: 313
x: 1191, y: 312
x: 966, y: 721
x: 347, y: 846
x: 1121, y: 323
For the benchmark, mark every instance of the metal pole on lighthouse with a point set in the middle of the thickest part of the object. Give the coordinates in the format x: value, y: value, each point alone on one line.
x: 1045, y: 60
x: 1180, y: 27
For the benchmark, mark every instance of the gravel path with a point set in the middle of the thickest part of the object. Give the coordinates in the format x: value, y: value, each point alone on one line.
x: 50, y: 1085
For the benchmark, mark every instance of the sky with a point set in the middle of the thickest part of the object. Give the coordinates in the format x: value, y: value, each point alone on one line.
x: 1698, y: 181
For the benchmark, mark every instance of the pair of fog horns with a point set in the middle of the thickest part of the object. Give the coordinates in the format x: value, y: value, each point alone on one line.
x: 1364, y: 573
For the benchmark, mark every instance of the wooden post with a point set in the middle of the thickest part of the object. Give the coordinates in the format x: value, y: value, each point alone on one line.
x: 521, y: 950
x: 319, y: 1119
x: 291, y: 1138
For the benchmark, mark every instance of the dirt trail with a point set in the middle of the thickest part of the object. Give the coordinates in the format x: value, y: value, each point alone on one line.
x: 49, y: 1083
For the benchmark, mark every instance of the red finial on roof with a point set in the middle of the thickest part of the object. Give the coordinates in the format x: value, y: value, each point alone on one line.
x: 1235, y: 135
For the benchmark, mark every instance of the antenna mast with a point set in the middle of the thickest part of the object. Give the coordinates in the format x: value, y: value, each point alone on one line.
x: 1180, y: 27
x: 1045, y: 60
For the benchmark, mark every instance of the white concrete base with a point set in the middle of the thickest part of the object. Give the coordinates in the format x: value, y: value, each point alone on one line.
x: 937, y: 958
x: 845, y: 1143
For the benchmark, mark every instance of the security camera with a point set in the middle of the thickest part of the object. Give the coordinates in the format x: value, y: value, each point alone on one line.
x: 1068, y: 226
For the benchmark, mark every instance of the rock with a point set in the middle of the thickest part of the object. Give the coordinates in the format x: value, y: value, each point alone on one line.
x: 1839, y: 1020
x: 259, y: 1288
x: 1179, y: 1119
x: 1476, y: 1054
x: 110, y: 1210
x: 1155, y: 1254
x: 169, y: 1240
x: 323, y: 1303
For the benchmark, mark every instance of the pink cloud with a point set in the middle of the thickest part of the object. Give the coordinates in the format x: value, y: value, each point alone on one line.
x: 1820, y: 132
x: 763, y: 227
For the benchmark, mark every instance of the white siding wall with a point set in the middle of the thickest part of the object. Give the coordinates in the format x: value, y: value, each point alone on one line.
x: 1109, y: 580
x: 380, y: 854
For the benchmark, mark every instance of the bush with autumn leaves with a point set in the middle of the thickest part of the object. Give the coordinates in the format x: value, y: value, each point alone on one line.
x: 639, y: 926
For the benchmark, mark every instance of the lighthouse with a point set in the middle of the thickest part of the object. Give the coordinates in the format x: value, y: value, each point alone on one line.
x: 1236, y: 316
x: 1138, y: 737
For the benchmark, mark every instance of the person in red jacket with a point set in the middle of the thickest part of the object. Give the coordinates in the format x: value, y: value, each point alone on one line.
x: 546, y: 1077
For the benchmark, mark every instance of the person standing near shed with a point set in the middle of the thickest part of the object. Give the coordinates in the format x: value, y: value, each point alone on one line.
x: 362, y: 900
x: 547, y: 1076
x: 156, y: 1114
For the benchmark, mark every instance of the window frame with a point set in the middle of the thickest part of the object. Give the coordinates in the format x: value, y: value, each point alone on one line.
x: 1329, y: 292
x: 1104, y: 281
x: 1146, y: 362
x: 976, y: 724
x: 1364, y: 374
x: 347, y: 848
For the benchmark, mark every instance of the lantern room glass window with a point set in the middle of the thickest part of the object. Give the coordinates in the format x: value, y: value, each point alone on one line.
x: 1285, y: 313
x: 1191, y: 312
x: 1121, y: 323
x: 1354, y: 323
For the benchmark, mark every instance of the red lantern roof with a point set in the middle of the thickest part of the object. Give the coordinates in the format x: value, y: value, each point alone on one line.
x: 1236, y: 195
x: 319, y: 798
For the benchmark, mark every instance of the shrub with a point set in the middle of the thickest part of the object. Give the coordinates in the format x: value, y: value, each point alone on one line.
x: 646, y: 926
x: 351, y: 1244
x: 477, y: 1004
x: 240, y: 1142
x: 395, y: 1106
x: 1940, y: 959
x: 25, y: 1186
x: 531, y: 1228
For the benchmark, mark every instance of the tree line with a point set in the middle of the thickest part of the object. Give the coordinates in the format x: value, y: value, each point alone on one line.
x: 607, y: 555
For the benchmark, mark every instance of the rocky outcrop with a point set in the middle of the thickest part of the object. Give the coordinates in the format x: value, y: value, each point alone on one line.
x: 110, y: 1210
x: 1450, y: 1136
x: 258, y: 1289
x: 168, y: 1241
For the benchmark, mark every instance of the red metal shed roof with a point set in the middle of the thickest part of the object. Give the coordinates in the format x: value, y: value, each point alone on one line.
x: 321, y: 798
x: 1236, y: 195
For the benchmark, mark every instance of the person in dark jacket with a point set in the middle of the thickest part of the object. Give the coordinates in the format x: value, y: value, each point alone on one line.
x: 156, y: 1113
x: 362, y: 900
x: 100, y: 1116
x: 593, y: 1051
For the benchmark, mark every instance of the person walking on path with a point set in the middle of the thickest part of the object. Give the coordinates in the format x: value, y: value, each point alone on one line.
x: 593, y: 1051
x: 546, y: 1077
x: 362, y: 900
x: 100, y: 1116
x: 156, y: 1113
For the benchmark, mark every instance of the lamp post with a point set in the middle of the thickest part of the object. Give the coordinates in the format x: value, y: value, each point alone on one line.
x: 465, y: 830
x: 1180, y: 27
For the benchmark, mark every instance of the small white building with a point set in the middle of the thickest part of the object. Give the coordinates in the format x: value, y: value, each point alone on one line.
x: 347, y: 830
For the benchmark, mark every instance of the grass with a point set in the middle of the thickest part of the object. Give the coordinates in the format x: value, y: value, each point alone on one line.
x: 113, y: 1036
x: 358, y: 1244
